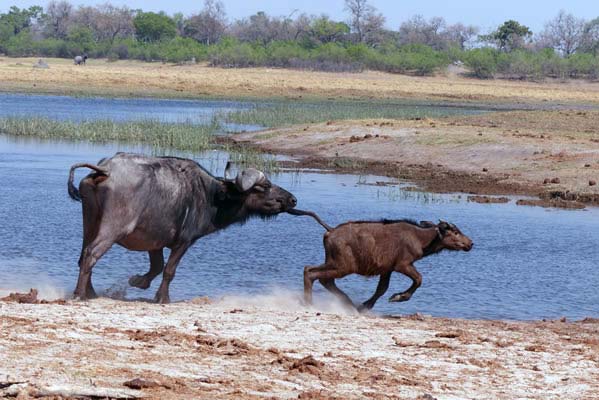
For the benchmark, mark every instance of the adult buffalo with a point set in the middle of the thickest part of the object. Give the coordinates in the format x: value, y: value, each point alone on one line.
x: 149, y: 203
x: 78, y: 60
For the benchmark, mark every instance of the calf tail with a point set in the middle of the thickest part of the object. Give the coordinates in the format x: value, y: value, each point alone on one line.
x: 73, y: 192
x: 295, y: 211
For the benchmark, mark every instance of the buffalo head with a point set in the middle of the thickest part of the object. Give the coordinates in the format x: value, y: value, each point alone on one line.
x: 252, y: 194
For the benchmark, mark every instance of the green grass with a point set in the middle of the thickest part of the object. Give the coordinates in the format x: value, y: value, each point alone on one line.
x: 162, y: 137
x: 279, y: 114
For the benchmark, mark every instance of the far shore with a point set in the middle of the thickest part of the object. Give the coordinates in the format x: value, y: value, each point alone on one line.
x: 142, y: 79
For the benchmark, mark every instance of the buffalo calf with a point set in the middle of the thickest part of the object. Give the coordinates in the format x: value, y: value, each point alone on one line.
x: 371, y: 248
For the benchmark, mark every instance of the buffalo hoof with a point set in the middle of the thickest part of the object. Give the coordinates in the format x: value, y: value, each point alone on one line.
x: 139, y: 281
x: 396, y: 298
x: 84, y: 297
x: 364, y: 308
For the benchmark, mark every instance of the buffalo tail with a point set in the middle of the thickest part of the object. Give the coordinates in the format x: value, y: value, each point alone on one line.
x: 295, y: 211
x: 73, y: 192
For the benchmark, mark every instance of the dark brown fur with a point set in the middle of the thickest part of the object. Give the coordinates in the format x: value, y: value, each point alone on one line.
x: 371, y: 248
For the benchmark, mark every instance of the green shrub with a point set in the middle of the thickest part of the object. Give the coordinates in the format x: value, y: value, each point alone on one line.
x: 482, y: 62
x: 583, y: 66
x: 234, y: 55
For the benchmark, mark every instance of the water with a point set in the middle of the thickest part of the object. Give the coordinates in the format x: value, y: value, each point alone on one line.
x: 527, y: 263
x: 93, y: 108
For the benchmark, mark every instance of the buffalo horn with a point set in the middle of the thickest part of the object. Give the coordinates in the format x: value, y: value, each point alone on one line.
x: 247, y: 178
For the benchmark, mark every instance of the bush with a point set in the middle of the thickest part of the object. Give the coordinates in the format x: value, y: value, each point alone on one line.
x: 20, y: 45
x: 482, y: 62
x: 283, y: 54
x: 583, y: 65
x: 521, y: 64
x: 235, y: 55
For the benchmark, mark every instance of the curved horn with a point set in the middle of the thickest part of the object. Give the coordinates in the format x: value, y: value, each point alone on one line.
x: 247, y: 178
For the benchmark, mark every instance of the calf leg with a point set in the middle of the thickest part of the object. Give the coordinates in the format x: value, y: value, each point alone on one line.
x: 381, y: 288
x: 162, y: 295
x: 312, y: 273
x: 156, y: 267
x: 330, y: 285
x: 411, y: 272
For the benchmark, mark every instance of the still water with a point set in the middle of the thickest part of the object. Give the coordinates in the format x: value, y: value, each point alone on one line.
x: 527, y: 263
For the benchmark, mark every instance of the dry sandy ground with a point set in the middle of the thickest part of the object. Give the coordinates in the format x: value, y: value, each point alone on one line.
x: 271, y: 347
x: 500, y: 153
x: 130, y: 78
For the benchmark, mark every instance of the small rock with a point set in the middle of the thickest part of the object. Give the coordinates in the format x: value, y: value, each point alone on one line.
x: 555, y: 180
x: 485, y: 169
x: 546, y: 181
x: 592, y: 182
x: 140, y: 383
x: 587, y: 165
x: 41, y: 64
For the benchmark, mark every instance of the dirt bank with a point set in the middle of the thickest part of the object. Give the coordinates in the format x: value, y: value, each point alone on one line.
x: 271, y: 347
x: 133, y: 78
x: 552, y: 154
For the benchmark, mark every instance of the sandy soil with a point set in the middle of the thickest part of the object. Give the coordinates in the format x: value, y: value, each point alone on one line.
x: 272, y: 347
x: 130, y: 78
x: 552, y: 153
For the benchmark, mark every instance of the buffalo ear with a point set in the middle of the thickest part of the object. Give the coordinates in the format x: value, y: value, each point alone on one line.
x: 227, y: 170
x: 247, y: 178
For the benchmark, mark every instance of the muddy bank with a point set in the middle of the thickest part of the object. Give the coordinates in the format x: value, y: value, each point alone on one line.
x: 548, y: 154
x: 272, y: 347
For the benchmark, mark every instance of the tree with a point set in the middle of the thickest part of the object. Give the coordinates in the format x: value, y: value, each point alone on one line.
x: 325, y: 30
x: 209, y: 25
x: 418, y: 30
x: 17, y: 20
x: 460, y: 34
x: 57, y: 19
x: 365, y: 22
x: 263, y: 28
x: 590, y: 37
x: 564, y: 33
x: 511, y: 35
x: 106, y: 21
x: 152, y: 27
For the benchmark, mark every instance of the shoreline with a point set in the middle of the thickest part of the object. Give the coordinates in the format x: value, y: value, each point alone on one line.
x: 265, y: 347
x: 549, y: 155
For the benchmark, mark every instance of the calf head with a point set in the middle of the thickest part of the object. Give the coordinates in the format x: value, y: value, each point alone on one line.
x: 452, y: 238
x: 252, y: 194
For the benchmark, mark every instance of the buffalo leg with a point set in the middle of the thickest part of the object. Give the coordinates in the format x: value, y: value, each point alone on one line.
x: 381, y: 288
x: 330, y: 285
x: 156, y: 267
x: 162, y: 295
x: 89, y: 257
x: 91, y: 224
x: 411, y: 272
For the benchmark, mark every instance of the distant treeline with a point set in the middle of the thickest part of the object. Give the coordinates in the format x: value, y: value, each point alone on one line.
x: 566, y: 48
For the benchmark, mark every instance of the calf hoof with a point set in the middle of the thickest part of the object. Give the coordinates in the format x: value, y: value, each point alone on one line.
x: 159, y: 299
x: 396, y: 298
x: 139, y: 281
